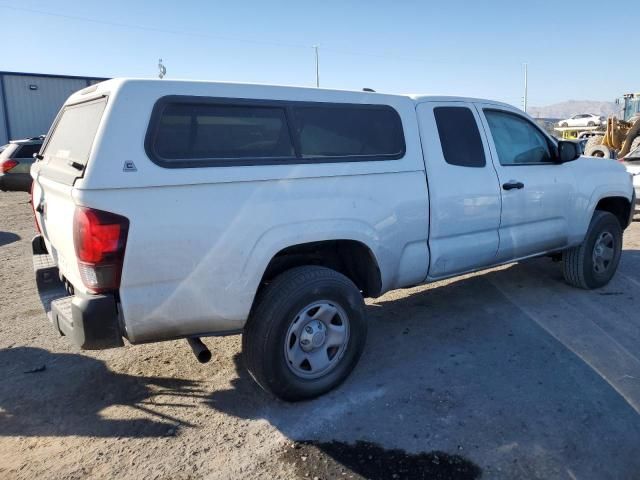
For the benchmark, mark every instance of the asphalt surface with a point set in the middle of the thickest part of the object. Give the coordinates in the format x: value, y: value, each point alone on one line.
x: 504, y: 374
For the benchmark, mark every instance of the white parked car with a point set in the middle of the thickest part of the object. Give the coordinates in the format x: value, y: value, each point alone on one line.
x: 582, y: 120
x: 176, y: 209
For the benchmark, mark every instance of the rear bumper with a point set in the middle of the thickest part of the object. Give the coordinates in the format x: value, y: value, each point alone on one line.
x: 15, y: 182
x: 91, y: 322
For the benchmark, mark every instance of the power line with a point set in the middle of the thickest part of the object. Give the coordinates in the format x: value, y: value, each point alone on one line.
x: 338, y: 51
x: 335, y: 51
x: 154, y: 29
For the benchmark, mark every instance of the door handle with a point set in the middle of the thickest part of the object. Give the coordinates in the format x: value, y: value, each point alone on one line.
x: 510, y: 185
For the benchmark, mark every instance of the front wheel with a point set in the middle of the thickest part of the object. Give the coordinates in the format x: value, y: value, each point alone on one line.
x: 593, y: 263
x: 305, y: 334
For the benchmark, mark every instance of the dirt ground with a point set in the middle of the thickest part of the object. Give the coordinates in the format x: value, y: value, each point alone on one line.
x: 507, y: 374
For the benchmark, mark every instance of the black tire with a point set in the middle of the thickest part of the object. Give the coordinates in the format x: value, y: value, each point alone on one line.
x: 579, y: 268
x: 271, y: 319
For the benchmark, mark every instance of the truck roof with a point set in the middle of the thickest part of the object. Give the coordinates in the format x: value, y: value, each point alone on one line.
x: 174, y: 87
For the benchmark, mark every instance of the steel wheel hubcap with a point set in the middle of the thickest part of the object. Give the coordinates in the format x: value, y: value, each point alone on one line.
x: 316, y: 339
x: 603, y: 252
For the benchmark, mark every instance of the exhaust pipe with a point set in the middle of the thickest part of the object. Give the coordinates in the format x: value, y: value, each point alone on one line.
x: 200, y: 350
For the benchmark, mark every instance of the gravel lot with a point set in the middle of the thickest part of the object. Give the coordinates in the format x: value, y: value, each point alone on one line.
x: 506, y: 374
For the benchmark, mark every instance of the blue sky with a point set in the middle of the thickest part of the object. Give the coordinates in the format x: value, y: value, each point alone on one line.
x: 473, y: 48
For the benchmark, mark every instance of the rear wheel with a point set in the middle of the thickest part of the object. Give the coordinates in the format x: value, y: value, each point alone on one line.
x: 306, y: 333
x: 593, y: 264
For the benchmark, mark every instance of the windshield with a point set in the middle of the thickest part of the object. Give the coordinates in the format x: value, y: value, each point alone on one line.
x: 73, y: 135
x: 631, y: 108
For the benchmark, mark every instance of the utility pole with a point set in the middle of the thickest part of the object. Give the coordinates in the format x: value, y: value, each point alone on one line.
x: 315, y: 47
x: 524, y: 99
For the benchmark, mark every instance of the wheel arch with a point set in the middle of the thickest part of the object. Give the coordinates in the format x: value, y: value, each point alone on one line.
x: 618, y: 206
x: 352, y: 258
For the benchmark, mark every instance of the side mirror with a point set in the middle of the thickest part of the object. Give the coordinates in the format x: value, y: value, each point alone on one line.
x: 568, y: 151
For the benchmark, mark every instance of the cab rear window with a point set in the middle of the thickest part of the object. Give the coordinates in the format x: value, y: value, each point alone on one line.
x: 73, y: 135
x: 459, y: 137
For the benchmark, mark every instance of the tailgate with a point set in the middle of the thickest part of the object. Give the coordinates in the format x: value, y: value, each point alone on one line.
x: 65, y: 154
x: 54, y: 205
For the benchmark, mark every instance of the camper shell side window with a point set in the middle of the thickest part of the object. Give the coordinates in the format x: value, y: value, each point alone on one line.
x: 187, y: 131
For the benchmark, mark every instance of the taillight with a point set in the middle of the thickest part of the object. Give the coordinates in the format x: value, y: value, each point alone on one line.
x: 100, y: 239
x: 7, y: 165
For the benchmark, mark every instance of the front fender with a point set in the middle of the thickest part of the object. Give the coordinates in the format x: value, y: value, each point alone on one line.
x: 600, y: 193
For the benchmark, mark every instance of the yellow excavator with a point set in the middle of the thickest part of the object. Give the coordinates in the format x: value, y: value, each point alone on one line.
x: 621, y: 135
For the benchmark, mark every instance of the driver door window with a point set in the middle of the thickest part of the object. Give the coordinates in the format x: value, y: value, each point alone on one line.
x: 516, y: 140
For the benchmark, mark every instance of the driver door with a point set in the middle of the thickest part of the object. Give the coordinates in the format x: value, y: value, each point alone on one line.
x: 537, y: 193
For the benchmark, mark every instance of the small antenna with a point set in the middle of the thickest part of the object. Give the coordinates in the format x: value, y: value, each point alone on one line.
x: 162, y: 70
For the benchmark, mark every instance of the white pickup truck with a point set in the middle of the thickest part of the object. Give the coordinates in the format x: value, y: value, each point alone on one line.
x: 182, y: 209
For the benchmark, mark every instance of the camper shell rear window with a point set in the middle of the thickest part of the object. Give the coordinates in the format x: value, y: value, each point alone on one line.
x: 189, y: 131
x: 69, y: 145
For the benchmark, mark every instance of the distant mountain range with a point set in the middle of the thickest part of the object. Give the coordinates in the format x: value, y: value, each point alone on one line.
x: 571, y: 107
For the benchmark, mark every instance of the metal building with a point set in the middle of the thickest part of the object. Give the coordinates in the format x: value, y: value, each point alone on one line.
x: 30, y: 101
